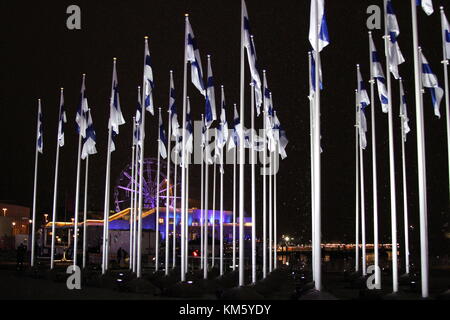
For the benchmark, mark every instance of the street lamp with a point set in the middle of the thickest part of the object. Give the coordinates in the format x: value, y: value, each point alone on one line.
x: 4, y: 211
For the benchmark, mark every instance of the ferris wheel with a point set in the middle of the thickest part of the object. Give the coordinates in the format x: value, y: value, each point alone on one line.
x: 123, y: 189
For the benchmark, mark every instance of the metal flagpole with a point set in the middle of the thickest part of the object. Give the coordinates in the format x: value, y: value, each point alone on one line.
x: 317, y: 166
x: 183, y: 171
x: 270, y: 210
x: 361, y: 176
x: 85, y: 211
x: 33, y: 219
x: 405, y: 194
x: 264, y: 180
x: 447, y: 94
x: 202, y: 202
x: 421, y: 167
x: 213, y: 232
x: 169, y: 129
x: 253, y: 162
x: 141, y: 174
x: 242, y: 158
x: 374, y: 172
x: 221, y: 204
x: 174, y: 231
x: 357, y: 183
x: 106, y: 205
x: 234, y: 207
x: 132, y: 194
x: 55, y: 190
x: 205, y: 246
x: 311, y: 128
x: 136, y: 192
x: 157, y: 200
x: 186, y: 224
x: 391, y: 162
x: 275, y: 205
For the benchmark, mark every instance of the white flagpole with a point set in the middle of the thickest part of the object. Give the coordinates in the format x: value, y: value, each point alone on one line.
x: 275, y: 205
x: 33, y: 219
x: 202, y: 201
x: 253, y: 161
x: 447, y: 94
x: 270, y: 210
x: 141, y: 180
x: 174, y: 231
x: 77, y: 194
x: 234, y: 207
x: 106, y: 205
x: 363, y: 203
x: 374, y: 172
x: 186, y: 224
x: 264, y: 181
x: 157, y: 200
x: 183, y: 171
x: 169, y: 138
x: 421, y: 167
x: 242, y: 158
x: 317, y: 166
x: 221, y: 205
x: 405, y: 194
x: 357, y: 183
x: 85, y: 211
x: 132, y: 194
x: 205, y: 246
x: 213, y: 246
x: 391, y: 163
x: 55, y: 190
x: 136, y: 193
x: 311, y: 128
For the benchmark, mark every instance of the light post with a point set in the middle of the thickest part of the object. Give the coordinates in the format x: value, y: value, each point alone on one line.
x: 4, y: 211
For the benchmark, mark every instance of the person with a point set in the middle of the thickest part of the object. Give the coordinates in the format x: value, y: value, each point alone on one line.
x: 119, y: 255
x: 21, y: 250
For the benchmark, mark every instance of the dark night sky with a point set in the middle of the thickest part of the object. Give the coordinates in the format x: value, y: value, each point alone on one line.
x: 39, y: 55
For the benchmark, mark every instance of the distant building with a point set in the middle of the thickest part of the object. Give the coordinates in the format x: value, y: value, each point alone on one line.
x: 14, y: 225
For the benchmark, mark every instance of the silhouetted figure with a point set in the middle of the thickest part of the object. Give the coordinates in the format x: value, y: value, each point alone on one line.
x: 21, y: 251
x: 119, y: 255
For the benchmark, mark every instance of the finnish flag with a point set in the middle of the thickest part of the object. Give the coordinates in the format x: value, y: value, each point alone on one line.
x: 90, y: 139
x: 173, y: 108
x: 427, y: 6
x: 378, y: 74
x: 189, y: 128
x: 318, y: 12
x: 312, y: 77
x: 395, y: 56
x: 280, y: 137
x: 430, y: 81
x: 82, y: 109
x: 193, y: 56
x: 223, y: 125
x: 210, y: 105
x: 403, y: 112
x: 138, y: 119
x: 148, y: 81
x: 235, y: 134
x: 115, y: 117
x: 40, y: 137
x: 445, y: 34
x: 62, y: 119
x: 363, y: 102
x: 162, y: 141
x: 251, y: 56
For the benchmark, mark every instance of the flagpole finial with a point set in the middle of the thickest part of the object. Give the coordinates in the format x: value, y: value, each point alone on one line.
x: 114, y: 59
x: 441, y: 8
x: 264, y: 71
x: 146, y: 37
x: 62, y: 89
x: 171, y: 72
x: 221, y: 86
x: 370, y: 33
x: 186, y: 15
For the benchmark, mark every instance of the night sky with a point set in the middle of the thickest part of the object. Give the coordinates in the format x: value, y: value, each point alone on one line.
x: 39, y: 55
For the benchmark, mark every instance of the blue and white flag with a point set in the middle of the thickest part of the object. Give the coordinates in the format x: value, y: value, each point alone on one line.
x: 395, y: 55
x: 235, y: 133
x: 40, y: 137
x: 446, y: 34
x: 251, y: 56
x: 403, y: 112
x: 148, y: 84
x: 222, y: 130
x: 189, y: 128
x: 210, y: 105
x: 318, y: 25
x: 312, y: 76
x: 193, y: 56
x: 62, y: 120
x: 162, y: 141
x: 430, y: 81
x: 138, y: 119
x: 82, y: 109
x: 115, y: 117
x: 173, y: 108
x: 280, y: 137
x: 363, y: 102
x: 427, y: 6
x: 378, y: 74
x: 90, y: 139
